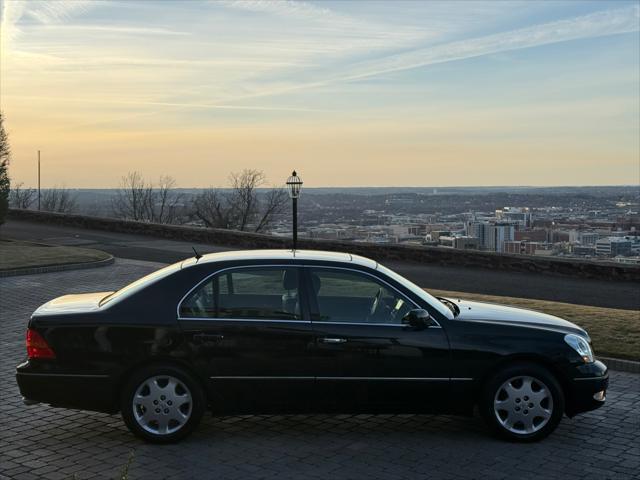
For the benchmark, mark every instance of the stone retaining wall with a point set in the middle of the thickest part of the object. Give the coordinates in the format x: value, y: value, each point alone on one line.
x: 431, y: 255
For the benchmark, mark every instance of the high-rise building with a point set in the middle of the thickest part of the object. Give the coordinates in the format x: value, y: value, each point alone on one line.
x: 491, y: 235
x: 519, y: 215
x: 498, y: 234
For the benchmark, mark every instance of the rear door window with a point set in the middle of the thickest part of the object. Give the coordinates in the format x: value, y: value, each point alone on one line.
x: 261, y: 293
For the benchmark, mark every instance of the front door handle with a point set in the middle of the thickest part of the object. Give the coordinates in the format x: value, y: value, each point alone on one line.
x: 333, y: 340
x: 207, y: 338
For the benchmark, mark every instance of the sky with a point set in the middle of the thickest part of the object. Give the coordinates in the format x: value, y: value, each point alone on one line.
x: 348, y: 93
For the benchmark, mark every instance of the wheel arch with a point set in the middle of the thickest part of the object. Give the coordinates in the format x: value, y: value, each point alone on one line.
x: 126, y: 374
x: 509, y: 360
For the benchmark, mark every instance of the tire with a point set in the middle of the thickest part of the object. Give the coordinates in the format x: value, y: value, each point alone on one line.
x: 162, y: 403
x: 522, y: 403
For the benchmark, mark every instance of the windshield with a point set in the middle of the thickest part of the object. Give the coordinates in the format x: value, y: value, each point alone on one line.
x: 141, y: 283
x: 430, y: 299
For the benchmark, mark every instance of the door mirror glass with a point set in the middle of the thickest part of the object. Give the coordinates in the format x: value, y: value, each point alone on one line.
x: 418, y: 318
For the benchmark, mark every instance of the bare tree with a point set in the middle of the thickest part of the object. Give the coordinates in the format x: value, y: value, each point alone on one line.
x: 165, y: 201
x: 244, y: 201
x: 131, y: 200
x: 22, y: 197
x: 243, y: 208
x: 273, y: 204
x: 5, y: 183
x: 138, y: 200
x: 58, y: 200
x: 211, y: 207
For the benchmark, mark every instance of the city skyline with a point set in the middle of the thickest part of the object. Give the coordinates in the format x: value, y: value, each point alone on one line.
x: 348, y: 93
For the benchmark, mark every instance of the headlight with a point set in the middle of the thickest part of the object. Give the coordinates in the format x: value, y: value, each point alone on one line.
x: 580, y: 345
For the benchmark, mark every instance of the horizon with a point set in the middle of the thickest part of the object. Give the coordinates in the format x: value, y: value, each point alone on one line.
x: 382, y: 187
x: 350, y: 94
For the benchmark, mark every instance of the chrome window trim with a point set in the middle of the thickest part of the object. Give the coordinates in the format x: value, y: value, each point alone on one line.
x: 218, y: 272
x: 437, y: 325
x: 295, y: 377
x: 251, y: 320
x: 69, y: 375
x: 258, y: 377
x: 389, y: 379
x: 402, y: 325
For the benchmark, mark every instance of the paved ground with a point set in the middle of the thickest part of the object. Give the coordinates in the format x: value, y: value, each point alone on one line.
x: 43, y: 442
x: 625, y: 295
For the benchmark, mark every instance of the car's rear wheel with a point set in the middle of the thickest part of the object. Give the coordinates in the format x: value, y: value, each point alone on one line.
x: 523, y: 402
x: 162, y: 403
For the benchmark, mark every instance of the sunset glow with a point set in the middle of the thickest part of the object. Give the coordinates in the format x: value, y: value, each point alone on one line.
x: 347, y: 93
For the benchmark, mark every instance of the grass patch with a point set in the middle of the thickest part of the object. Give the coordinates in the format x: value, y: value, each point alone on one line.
x: 615, y: 332
x: 16, y: 254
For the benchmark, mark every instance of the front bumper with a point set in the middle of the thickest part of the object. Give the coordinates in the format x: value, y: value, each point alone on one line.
x: 587, y: 389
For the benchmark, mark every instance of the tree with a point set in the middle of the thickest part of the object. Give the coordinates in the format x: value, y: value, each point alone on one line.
x: 58, y: 200
x: 211, y: 208
x: 139, y: 200
x: 131, y: 198
x: 5, y: 183
x: 243, y: 208
x: 22, y: 197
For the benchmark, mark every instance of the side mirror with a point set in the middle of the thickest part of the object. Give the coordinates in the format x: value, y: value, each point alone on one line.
x: 418, y: 318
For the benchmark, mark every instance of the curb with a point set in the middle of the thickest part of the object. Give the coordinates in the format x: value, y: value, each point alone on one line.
x: 57, y: 268
x: 620, y: 365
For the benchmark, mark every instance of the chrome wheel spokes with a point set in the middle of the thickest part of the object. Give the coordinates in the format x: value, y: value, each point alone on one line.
x: 523, y: 405
x: 162, y: 405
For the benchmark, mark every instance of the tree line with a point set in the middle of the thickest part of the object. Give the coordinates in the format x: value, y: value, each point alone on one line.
x: 244, y: 205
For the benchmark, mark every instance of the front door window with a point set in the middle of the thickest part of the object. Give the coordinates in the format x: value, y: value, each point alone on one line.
x: 354, y: 297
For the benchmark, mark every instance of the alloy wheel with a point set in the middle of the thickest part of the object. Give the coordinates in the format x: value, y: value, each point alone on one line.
x: 523, y: 405
x: 162, y: 405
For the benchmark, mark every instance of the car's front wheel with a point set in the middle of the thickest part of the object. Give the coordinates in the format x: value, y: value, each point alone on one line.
x: 523, y: 402
x: 162, y: 403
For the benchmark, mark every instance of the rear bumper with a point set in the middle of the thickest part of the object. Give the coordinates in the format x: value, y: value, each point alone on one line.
x: 587, y: 391
x: 81, y: 391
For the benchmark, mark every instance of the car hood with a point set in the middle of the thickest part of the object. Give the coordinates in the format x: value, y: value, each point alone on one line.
x: 77, y: 303
x: 493, y: 313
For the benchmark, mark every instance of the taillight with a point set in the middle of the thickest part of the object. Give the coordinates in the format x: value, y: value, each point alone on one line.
x: 37, y: 347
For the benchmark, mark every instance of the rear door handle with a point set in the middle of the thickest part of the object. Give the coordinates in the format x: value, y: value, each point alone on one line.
x: 332, y: 340
x: 207, y: 338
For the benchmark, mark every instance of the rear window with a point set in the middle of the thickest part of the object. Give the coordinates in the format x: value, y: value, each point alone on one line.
x: 141, y: 283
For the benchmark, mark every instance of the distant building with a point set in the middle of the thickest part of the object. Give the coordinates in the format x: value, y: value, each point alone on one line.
x: 491, y: 235
x: 613, y: 247
x: 628, y: 260
x: 584, y: 250
x: 466, y: 242
x: 535, y: 235
x: 588, y: 238
x: 446, y: 241
x: 519, y: 215
x: 435, y: 235
x: 527, y: 248
x: 498, y: 233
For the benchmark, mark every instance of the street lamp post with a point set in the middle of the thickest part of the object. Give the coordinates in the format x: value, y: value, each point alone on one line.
x: 294, y: 184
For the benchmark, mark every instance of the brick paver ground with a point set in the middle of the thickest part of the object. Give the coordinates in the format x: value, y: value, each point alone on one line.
x: 43, y: 442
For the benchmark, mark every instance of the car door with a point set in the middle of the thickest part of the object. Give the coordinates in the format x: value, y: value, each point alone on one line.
x: 366, y: 358
x: 249, y: 333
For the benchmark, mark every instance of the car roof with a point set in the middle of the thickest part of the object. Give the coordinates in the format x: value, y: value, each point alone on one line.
x: 282, y: 255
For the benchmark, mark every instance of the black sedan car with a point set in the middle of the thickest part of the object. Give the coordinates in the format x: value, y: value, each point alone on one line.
x: 302, y: 332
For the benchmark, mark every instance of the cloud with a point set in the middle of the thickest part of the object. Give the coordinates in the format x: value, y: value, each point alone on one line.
x: 611, y: 22
x: 598, y: 24
x: 353, y: 31
x: 48, y: 12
